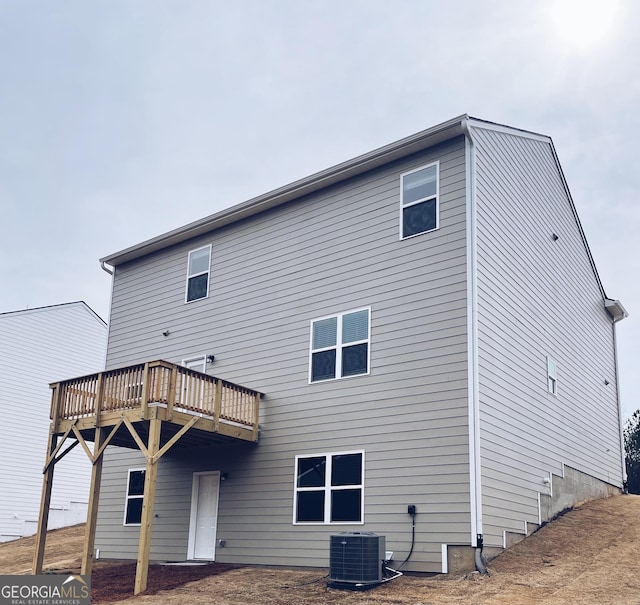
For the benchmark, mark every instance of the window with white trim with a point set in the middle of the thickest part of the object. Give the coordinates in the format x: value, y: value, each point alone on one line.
x: 552, y: 376
x: 198, y: 266
x: 340, y: 346
x: 134, y: 497
x: 329, y: 488
x: 419, y: 211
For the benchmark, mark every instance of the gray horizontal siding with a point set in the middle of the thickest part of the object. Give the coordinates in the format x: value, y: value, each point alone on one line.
x: 330, y: 252
x: 537, y: 297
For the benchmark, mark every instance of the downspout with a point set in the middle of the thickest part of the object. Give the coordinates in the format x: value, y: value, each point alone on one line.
x: 623, y: 460
x: 617, y: 313
x: 475, y: 486
x: 111, y: 272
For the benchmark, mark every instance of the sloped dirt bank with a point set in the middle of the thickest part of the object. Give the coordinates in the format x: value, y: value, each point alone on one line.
x: 590, y: 556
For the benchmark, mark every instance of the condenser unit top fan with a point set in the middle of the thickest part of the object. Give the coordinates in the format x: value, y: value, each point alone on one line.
x: 356, y: 560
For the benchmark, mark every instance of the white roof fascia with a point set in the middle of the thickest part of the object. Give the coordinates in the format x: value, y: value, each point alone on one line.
x: 330, y: 176
x: 363, y: 163
x: 525, y: 134
x: 475, y: 123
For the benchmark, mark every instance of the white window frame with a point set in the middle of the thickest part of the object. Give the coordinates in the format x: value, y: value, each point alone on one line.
x: 328, y: 489
x: 197, y: 274
x: 128, y: 497
x: 435, y: 197
x: 552, y: 376
x: 339, y: 346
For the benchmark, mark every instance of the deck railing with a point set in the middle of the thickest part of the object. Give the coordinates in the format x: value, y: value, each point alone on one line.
x: 150, y: 384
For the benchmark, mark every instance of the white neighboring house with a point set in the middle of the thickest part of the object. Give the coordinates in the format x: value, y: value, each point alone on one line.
x: 37, y: 347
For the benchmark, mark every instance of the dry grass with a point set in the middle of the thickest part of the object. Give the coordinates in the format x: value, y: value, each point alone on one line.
x: 590, y: 556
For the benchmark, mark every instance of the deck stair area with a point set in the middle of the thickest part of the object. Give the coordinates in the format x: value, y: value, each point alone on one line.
x: 153, y: 406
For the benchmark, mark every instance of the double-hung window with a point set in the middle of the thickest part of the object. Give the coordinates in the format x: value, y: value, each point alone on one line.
x: 419, y: 200
x: 552, y: 376
x: 198, y: 266
x: 340, y: 345
x: 134, y: 498
x: 329, y: 488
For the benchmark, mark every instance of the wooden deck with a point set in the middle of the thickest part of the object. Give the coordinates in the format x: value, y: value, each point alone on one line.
x: 213, y: 409
x: 153, y: 407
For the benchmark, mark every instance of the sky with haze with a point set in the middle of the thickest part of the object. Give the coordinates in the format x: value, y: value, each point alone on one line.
x: 124, y: 119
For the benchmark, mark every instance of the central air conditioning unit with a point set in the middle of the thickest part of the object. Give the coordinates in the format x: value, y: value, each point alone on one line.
x: 356, y: 560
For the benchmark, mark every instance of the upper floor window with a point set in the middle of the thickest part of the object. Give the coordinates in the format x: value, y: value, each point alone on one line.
x: 134, y: 497
x: 552, y: 377
x: 198, y: 273
x: 329, y: 488
x: 340, y: 345
x: 419, y: 200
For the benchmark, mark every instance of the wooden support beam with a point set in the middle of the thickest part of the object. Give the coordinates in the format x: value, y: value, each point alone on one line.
x: 136, y: 437
x: 83, y: 443
x: 66, y: 451
x: 144, y: 544
x: 51, y: 459
x: 174, y: 439
x: 94, y: 497
x: 106, y: 442
x: 45, y: 501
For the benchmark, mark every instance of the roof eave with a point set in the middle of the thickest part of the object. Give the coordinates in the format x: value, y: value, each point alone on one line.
x: 325, y: 178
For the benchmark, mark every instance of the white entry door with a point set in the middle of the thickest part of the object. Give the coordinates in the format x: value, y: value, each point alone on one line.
x: 204, y: 516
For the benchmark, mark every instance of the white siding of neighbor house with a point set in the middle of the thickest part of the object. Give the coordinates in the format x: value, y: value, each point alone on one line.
x: 333, y: 251
x: 536, y: 298
x: 37, y: 347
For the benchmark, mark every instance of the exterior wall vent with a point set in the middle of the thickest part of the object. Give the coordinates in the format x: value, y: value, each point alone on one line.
x: 356, y: 560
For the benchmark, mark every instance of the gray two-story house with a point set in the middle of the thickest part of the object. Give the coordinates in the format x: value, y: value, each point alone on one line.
x: 421, y: 326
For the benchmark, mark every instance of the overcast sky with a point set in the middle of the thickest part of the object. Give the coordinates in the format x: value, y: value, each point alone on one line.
x: 121, y: 120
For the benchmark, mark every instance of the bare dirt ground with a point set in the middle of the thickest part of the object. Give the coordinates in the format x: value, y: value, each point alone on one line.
x: 590, y: 556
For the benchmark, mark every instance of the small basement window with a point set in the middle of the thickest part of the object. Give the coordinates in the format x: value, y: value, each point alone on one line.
x: 135, y: 495
x: 552, y: 377
x: 419, y: 201
x: 198, y: 266
x: 340, y: 346
x: 329, y: 489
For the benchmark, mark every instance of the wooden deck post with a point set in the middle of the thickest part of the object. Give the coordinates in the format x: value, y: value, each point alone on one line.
x: 217, y: 403
x: 256, y: 416
x: 45, y: 501
x: 99, y: 400
x: 171, y: 394
x: 144, y: 402
x: 94, y: 497
x: 144, y: 544
x: 47, y: 481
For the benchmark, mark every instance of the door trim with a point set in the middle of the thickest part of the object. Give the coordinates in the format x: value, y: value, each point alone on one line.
x: 194, y: 511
